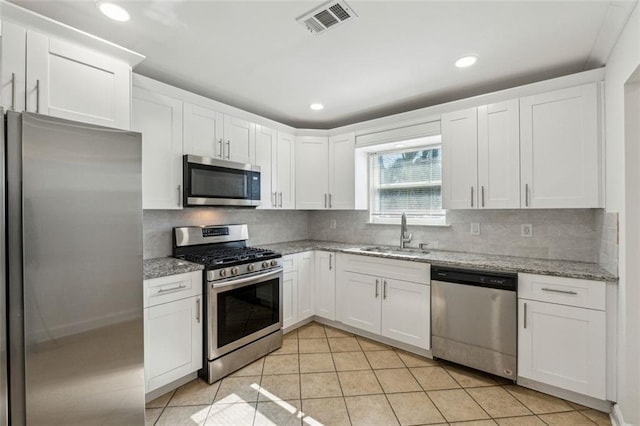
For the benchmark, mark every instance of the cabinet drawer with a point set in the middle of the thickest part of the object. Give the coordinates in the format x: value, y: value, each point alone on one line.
x: 173, y: 287
x: 563, y: 291
x: 404, y: 270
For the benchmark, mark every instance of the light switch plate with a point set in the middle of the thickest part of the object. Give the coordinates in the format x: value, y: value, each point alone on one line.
x: 526, y: 230
x: 332, y: 224
x: 475, y: 229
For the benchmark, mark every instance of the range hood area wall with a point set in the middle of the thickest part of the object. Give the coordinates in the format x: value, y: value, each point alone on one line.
x: 588, y: 235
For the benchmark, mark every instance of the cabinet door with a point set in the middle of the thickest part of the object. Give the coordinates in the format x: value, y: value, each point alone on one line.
x: 460, y: 159
x: 13, y: 66
x: 325, y: 285
x: 67, y: 81
x: 361, y: 295
x: 562, y: 346
x: 306, y: 262
x: 289, y: 298
x: 265, y: 153
x: 499, y: 155
x: 560, y: 149
x: 284, y: 170
x: 342, y: 172
x: 312, y: 173
x: 172, y: 341
x: 239, y: 140
x: 159, y: 119
x: 406, y: 314
x: 202, y: 131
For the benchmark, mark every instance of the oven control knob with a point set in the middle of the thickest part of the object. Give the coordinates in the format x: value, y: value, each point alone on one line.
x: 234, y: 270
x: 274, y: 263
x: 224, y: 273
x: 265, y: 264
x: 251, y: 267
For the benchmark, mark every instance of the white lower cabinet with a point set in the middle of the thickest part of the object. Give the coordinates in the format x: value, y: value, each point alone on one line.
x: 396, y: 309
x: 172, y: 328
x: 289, y: 298
x: 306, y: 263
x: 360, y: 301
x: 406, y: 312
x: 325, y: 285
x: 297, y: 287
x: 559, y: 344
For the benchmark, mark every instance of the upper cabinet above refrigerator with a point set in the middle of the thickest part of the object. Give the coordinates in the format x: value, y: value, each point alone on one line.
x: 64, y: 77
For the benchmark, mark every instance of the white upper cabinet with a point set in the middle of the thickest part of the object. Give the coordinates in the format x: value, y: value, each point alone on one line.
x: 202, y: 131
x: 266, y: 139
x: 312, y: 173
x: 54, y: 77
x: 284, y: 165
x: 239, y: 140
x: 460, y: 159
x: 209, y: 133
x: 14, y: 70
x: 499, y: 156
x: 342, y: 172
x: 159, y: 118
x: 275, y: 154
x: 325, y: 172
x: 561, y: 150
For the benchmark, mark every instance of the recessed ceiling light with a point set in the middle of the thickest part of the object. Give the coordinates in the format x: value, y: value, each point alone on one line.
x: 316, y: 107
x: 466, y: 61
x: 113, y: 11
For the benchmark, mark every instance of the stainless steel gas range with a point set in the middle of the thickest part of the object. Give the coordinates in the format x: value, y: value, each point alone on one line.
x: 243, y: 291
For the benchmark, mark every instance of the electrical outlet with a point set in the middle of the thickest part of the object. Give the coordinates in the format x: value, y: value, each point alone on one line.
x: 526, y: 230
x: 475, y: 229
x: 332, y: 224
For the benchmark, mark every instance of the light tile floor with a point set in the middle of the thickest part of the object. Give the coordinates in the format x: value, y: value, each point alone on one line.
x: 324, y: 376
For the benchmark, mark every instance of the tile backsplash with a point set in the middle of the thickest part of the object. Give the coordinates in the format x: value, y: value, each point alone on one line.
x: 588, y: 235
x: 265, y: 226
x: 568, y: 234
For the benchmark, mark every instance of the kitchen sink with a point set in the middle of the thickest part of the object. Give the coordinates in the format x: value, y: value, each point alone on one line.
x: 407, y: 251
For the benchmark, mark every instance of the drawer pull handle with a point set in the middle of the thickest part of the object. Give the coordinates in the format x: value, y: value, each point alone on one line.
x: 166, y: 290
x: 553, y: 290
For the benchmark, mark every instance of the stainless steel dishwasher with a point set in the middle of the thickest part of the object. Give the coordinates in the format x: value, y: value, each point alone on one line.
x: 474, y: 319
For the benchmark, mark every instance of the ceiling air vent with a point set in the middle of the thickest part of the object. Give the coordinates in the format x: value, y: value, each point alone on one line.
x: 327, y: 15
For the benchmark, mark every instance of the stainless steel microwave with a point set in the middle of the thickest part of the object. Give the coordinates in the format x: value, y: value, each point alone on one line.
x: 212, y: 182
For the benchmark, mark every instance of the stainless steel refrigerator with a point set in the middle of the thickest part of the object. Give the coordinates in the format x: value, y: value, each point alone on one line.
x: 73, y: 216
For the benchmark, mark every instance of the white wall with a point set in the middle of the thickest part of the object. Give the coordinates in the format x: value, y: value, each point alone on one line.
x: 622, y: 63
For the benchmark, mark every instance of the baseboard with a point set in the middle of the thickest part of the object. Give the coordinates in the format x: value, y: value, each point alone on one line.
x: 587, y: 401
x: 170, y: 386
x: 375, y: 337
x: 616, y: 416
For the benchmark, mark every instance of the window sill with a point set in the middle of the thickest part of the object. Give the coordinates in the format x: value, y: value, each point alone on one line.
x: 428, y: 225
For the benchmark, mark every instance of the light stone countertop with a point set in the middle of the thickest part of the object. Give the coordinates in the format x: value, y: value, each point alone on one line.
x: 165, y: 266
x: 560, y: 268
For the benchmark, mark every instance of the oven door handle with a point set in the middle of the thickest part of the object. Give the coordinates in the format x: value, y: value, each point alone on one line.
x: 241, y: 282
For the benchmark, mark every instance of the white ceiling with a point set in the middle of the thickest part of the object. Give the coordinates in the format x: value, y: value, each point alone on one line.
x: 397, y: 56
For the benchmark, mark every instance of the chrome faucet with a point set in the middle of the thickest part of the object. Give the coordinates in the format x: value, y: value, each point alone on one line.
x: 404, y: 238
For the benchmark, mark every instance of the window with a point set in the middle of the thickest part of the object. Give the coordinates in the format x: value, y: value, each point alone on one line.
x: 409, y: 181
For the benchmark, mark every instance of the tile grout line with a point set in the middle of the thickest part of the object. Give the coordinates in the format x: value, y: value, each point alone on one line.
x: 344, y: 401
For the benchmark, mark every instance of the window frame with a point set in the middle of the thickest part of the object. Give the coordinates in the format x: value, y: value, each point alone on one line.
x: 394, y: 218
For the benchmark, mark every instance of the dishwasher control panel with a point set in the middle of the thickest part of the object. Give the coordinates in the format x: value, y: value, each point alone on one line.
x: 490, y: 279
